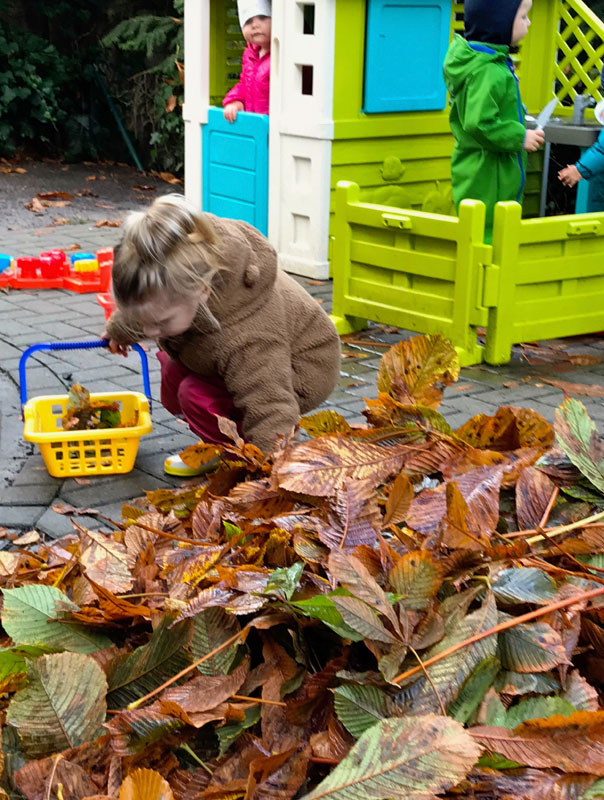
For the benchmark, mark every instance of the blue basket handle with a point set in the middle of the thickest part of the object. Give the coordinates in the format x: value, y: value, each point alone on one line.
x: 34, y: 348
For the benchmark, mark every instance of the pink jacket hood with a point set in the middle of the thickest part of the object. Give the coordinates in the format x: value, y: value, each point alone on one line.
x: 254, y: 84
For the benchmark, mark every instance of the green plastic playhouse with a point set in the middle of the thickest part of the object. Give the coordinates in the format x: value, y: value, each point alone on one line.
x: 359, y: 169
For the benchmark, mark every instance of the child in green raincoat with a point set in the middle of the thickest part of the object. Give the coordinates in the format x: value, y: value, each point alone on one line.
x: 487, y: 115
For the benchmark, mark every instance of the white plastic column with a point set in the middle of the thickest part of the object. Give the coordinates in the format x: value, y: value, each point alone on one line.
x: 301, y: 133
x: 197, y: 91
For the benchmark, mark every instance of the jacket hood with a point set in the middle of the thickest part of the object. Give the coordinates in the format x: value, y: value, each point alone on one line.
x: 249, y: 269
x: 246, y: 279
x: 490, y: 21
x: 462, y: 60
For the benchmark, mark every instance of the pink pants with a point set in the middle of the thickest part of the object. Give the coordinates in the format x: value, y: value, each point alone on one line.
x: 198, y: 400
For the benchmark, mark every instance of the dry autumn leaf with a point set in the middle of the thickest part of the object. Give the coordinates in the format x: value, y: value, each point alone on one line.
x: 55, y: 196
x: 580, y: 389
x: 316, y: 621
x: 108, y: 223
x: 411, y: 370
x: 573, y: 743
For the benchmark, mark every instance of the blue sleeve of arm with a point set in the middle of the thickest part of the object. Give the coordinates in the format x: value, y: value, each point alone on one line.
x: 592, y: 160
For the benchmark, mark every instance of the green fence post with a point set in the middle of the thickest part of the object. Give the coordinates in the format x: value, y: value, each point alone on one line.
x: 470, y: 236
x: 346, y: 193
x: 500, y: 282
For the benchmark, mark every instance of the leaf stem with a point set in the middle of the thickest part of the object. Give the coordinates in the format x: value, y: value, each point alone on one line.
x: 136, y: 703
x: 430, y: 681
x: 548, y: 508
x: 582, y: 523
x: 196, y: 758
x: 151, y: 529
x: 565, y: 528
x: 258, y: 700
x: 502, y: 626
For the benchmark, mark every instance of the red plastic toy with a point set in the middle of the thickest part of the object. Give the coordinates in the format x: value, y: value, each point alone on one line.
x: 96, y: 280
x: 46, y: 272
x: 106, y: 303
x: 52, y: 270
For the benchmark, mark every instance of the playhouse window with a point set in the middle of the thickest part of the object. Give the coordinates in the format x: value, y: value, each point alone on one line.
x: 406, y: 43
x: 306, y: 73
x: 308, y: 9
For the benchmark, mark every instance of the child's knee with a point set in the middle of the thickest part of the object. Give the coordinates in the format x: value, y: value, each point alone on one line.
x: 197, y: 396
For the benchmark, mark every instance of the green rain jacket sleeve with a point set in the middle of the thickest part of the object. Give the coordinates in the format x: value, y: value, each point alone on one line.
x: 481, y: 117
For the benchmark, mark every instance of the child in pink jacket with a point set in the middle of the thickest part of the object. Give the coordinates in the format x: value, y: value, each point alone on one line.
x: 252, y: 91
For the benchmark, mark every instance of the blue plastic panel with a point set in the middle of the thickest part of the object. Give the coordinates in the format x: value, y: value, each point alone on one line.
x: 406, y: 44
x: 590, y: 194
x: 235, y: 167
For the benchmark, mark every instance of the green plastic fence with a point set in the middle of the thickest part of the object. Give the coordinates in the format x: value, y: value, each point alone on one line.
x: 547, y: 279
x: 419, y: 271
x: 541, y: 278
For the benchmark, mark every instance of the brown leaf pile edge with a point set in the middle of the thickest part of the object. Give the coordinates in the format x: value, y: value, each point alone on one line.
x: 392, y: 610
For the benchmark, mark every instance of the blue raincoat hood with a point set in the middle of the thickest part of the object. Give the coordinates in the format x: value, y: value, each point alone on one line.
x: 490, y: 21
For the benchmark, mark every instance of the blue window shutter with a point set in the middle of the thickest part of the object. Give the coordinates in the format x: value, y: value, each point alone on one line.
x: 406, y: 44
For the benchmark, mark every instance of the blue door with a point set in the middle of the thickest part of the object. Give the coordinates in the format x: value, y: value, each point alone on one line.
x: 235, y: 167
x: 406, y: 44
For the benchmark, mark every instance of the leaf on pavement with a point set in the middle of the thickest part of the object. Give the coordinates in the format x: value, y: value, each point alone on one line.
x: 55, y: 196
x: 580, y: 389
x: 108, y: 223
x: 62, y: 706
x: 411, y: 370
x: 402, y: 759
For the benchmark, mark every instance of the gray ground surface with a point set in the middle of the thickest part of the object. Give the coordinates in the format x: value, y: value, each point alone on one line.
x: 99, y: 192
x: 27, y: 492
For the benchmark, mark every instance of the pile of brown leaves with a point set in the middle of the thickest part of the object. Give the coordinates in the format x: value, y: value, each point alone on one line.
x: 391, y: 611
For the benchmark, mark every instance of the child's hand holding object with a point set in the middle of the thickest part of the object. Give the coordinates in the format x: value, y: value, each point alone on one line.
x: 570, y: 176
x: 533, y: 140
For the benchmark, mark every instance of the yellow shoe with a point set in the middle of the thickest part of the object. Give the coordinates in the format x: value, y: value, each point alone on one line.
x: 174, y: 465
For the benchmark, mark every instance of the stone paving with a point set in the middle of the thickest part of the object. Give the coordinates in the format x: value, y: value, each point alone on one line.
x: 27, y: 492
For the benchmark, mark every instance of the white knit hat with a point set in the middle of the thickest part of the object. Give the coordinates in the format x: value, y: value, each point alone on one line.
x: 253, y: 8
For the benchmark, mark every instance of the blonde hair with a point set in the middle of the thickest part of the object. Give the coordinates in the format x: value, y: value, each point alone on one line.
x: 170, y: 248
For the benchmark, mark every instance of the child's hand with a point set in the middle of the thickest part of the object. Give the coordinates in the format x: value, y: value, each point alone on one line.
x: 114, y: 347
x: 570, y: 175
x: 533, y: 140
x: 230, y: 111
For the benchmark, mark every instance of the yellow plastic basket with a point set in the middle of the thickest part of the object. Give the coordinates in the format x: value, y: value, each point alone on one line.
x: 69, y: 454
